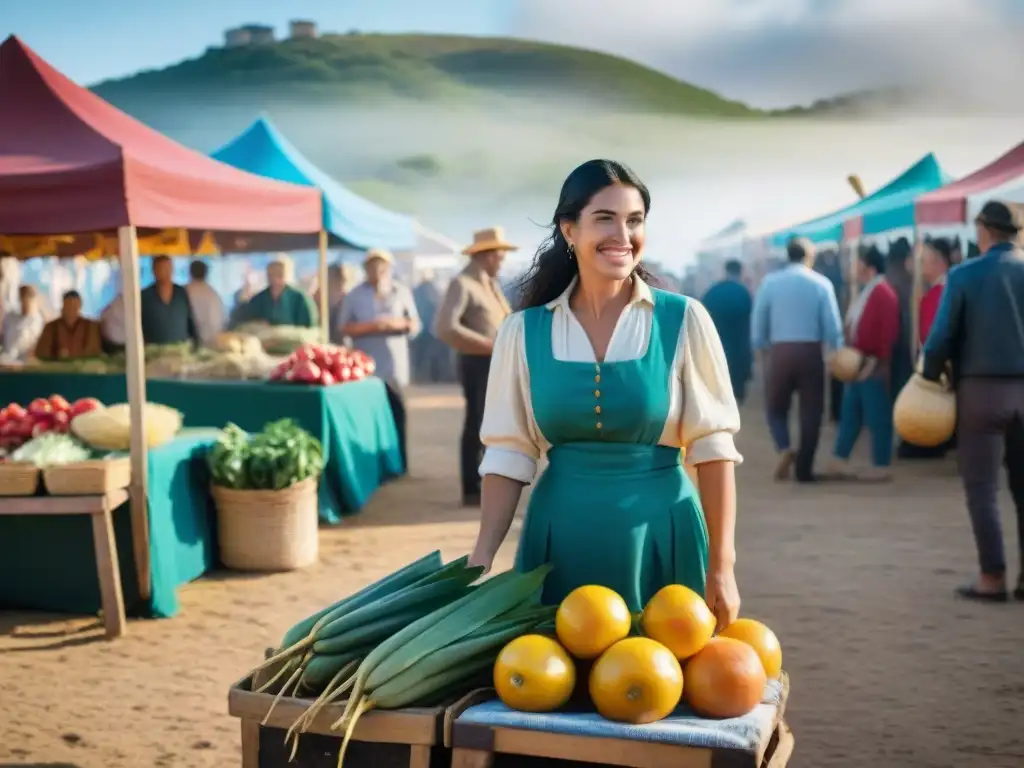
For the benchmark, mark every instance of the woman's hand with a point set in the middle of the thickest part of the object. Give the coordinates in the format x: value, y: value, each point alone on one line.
x: 480, y: 559
x: 723, y: 596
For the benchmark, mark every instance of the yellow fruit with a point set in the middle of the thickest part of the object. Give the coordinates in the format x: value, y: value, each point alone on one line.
x: 726, y: 679
x: 637, y: 681
x: 762, y: 640
x: 679, y: 619
x: 533, y: 673
x: 590, y: 619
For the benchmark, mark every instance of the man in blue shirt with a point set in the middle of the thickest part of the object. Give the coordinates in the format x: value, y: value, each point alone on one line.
x: 979, y: 330
x: 795, y: 315
x: 729, y: 304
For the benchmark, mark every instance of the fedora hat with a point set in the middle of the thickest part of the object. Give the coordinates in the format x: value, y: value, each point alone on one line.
x: 378, y: 253
x: 492, y: 239
x: 1001, y: 216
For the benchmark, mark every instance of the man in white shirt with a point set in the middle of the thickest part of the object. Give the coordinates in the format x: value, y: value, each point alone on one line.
x: 112, y: 324
x: 207, y: 306
x: 21, y: 329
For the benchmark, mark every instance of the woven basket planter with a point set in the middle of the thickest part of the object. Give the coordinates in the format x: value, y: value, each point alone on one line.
x: 88, y: 478
x: 18, y: 478
x: 268, y: 530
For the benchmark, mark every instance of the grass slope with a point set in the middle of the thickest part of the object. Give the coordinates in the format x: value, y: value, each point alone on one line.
x: 444, y: 69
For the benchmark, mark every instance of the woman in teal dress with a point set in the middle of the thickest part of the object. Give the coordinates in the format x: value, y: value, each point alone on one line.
x: 611, y: 378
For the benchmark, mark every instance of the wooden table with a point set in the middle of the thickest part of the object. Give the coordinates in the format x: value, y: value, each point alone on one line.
x: 99, y: 509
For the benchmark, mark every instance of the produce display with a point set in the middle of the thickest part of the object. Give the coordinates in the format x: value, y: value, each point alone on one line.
x: 644, y: 665
x: 324, y: 365
x: 280, y: 339
x: 20, y: 424
x: 52, y: 449
x: 280, y: 456
x: 417, y: 637
x: 109, y: 429
x: 431, y: 632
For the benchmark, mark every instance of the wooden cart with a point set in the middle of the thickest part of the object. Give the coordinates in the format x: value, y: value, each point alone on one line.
x: 476, y: 745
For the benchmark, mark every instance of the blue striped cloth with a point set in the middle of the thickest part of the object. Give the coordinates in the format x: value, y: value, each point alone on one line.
x: 682, y: 729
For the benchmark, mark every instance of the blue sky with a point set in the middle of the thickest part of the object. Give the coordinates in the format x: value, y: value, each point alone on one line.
x: 766, y: 52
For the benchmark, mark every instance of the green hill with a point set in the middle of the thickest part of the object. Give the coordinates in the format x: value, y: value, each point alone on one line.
x: 439, y: 69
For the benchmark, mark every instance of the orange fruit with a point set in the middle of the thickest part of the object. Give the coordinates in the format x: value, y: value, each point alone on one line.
x: 533, y: 673
x: 762, y: 640
x: 637, y: 681
x: 679, y: 619
x: 591, y: 619
x: 725, y: 679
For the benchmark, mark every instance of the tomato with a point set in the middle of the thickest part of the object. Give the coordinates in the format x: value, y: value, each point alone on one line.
x: 42, y: 426
x: 304, y: 354
x: 59, y: 403
x: 370, y: 367
x: 85, y: 405
x: 61, y: 421
x: 358, y: 373
x: 15, y: 411
x: 344, y: 373
x: 306, y: 372
x: 327, y: 378
x: 40, y: 407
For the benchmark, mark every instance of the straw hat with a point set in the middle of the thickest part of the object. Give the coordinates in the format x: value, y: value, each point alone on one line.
x: 379, y: 253
x: 492, y: 239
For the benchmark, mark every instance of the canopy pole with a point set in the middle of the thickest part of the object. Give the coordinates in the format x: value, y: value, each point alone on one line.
x: 917, y: 291
x: 128, y: 249
x: 324, y: 308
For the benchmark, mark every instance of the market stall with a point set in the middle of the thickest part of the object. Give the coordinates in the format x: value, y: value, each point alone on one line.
x: 430, y: 666
x: 352, y: 420
x: 71, y: 164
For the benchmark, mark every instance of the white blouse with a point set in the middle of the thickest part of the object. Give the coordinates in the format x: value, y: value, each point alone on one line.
x: 702, y: 417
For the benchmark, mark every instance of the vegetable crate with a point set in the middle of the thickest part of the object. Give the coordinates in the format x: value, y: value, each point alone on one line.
x: 405, y: 738
x: 488, y: 735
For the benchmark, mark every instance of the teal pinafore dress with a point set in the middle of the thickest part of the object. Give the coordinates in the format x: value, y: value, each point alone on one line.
x: 613, y: 507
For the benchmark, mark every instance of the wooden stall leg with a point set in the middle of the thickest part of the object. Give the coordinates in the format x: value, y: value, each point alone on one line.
x: 109, y: 573
x: 250, y: 744
x: 419, y: 756
x: 471, y: 758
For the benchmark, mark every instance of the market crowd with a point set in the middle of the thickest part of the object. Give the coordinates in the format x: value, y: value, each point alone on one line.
x: 970, y: 335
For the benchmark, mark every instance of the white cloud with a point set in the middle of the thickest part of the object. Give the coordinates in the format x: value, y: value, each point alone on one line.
x: 775, y: 52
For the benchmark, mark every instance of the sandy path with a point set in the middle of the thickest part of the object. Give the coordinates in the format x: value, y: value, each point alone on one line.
x: 887, y: 669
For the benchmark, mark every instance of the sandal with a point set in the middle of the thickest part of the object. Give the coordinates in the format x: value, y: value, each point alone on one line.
x: 971, y: 592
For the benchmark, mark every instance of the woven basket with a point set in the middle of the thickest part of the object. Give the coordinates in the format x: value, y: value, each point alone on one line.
x: 924, y: 413
x: 268, y: 530
x: 18, y: 478
x: 88, y: 478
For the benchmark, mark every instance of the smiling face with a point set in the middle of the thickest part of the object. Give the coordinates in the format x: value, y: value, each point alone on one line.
x: 608, y: 237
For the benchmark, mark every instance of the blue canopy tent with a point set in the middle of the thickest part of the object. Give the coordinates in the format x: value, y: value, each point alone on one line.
x: 348, y: 218
x: 889, y: 207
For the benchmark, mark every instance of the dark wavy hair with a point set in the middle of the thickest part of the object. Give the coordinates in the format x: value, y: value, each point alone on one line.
x: 554, y: 268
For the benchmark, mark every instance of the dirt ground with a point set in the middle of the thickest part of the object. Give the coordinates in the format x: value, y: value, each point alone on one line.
x: 886, y: 668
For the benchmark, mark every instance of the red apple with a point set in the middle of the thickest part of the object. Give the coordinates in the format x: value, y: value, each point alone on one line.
x: 40, y: 407
x: 15, y: 411
x: 59, y: 403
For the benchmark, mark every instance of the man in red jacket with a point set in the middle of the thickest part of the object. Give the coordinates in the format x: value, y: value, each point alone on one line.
x: 872, y: 328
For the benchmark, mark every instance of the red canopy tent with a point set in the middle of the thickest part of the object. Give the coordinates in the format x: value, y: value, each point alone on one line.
x: 951, y: 205
x: 70, y: 163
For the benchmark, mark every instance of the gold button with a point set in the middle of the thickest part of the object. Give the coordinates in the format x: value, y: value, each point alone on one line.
x: 597, y: 379
x: 597, y: 409
x: 599, y: 425
x: 597, y: 393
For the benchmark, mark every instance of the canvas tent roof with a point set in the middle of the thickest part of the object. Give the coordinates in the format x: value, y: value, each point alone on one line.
x: 355, y: 221
x: 889, y: 207
x: 71, y: 163
x: 959, y: 202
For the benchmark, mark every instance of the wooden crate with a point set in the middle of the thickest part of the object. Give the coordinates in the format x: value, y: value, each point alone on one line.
x: 480, y: 746
x: 407, y: 738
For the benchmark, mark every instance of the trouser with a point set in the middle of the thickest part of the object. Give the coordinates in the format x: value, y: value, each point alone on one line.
x: 835, y: 399
x: 867, y: 403
x: 991, y: 432
x: 473, y: 370
x: 396, y: 400
x: 796, y: 367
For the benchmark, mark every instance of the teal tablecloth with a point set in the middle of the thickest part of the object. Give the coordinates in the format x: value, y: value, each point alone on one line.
x: 47, y: 562
x: 353, y: 420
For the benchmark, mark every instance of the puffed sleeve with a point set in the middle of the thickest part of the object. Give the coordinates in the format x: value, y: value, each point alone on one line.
x: 508, y: 432
x: 710, y: 417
